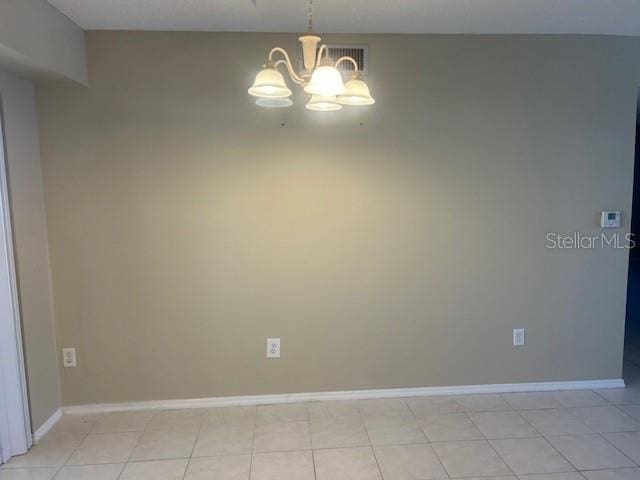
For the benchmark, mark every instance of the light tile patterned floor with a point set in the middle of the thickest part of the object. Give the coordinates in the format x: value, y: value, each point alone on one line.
x: 576, y: 435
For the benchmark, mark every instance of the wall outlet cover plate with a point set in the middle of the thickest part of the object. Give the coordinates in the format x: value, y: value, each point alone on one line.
x: 69, y: 357
x: 518, y: 337
x: 273, y: 348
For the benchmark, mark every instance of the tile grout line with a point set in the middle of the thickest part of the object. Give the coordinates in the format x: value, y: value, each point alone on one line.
x: 364, y: 424
x: 193, y: 447
x: 253, y: 441
x: 562, y: 454
x: 545, y: 439
x: 539, y: 434
x: 502, y: 459
x: 144, y: 430
x: 415, y: 418
x: 603, y: 397
x: 313, y: 457
x: 617, y: 407
x: 133, y: 450
x: 603, y: 434
x: 621, y: 452
x: 488, y: 441
x: 525, y: 475
x: 605, y: 469
x: 84, y: 437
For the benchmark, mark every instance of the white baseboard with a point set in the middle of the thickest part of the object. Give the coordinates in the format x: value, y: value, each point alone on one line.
x: 343, y: 395
x: 47, y: 426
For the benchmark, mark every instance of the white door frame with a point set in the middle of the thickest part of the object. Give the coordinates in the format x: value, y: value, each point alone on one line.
x: 15, y: 426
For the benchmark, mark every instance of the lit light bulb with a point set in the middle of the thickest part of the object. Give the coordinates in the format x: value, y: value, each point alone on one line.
x: 326, y: 81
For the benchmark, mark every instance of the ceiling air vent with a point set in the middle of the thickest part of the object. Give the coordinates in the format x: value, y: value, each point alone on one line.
x: 360, y: 53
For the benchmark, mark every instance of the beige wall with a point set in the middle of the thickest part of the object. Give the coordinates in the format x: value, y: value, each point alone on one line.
x: 30, y: 245
x: 396, y: 246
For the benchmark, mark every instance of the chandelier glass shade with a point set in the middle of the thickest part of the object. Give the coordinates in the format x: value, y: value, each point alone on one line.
x: 320, y: 78
x: 269, y: 83
x: 326, y: 81
x: 320, y: 103
x: 274, y: 102
x: 356, y: 92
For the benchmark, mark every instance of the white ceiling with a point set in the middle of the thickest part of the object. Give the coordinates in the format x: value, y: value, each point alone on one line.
x: 616, y: 17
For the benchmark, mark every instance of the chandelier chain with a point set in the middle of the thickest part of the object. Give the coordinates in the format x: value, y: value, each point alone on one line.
x: 310, y: 15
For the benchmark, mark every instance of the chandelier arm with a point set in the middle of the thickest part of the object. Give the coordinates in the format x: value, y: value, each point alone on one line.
x: 346, y: 59
x: 322, y: 49
x: 287, y: 61
x: 284, y: 62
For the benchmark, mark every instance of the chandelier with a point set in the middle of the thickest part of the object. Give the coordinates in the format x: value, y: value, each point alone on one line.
x: 320, y: 78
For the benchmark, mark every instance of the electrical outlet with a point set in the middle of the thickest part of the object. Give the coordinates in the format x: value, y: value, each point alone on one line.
x: 273, y: 348
x: 518, y: 337
x: 68, y: 357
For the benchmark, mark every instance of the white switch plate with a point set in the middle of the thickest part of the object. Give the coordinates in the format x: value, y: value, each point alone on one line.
x: 273, y: 348
x: 68, y: 357
x: 518, y: 337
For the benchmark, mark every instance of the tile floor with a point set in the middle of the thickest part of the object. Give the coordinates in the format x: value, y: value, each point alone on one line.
x: 573, y: 435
